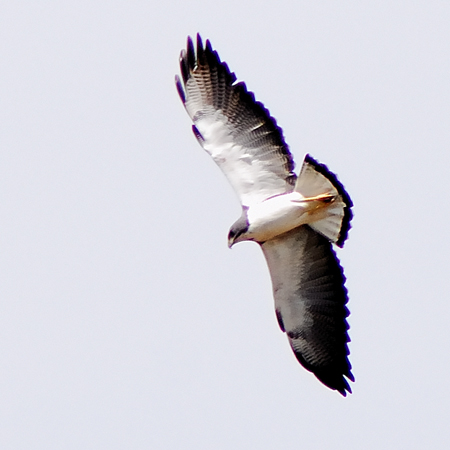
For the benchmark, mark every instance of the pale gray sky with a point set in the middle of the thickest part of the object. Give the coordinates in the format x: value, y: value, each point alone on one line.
x: 125, y: 321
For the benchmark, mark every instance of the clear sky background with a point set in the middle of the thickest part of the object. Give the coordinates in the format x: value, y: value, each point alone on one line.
x: 125, y: 321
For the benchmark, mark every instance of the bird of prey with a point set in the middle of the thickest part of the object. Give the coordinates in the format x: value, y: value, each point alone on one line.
x: 295, y: 219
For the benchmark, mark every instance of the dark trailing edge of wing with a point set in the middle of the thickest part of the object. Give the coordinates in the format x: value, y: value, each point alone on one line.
x: 318, y: 335
x: 348, y: 214
x: 206, y: 57
x: 333, y: 373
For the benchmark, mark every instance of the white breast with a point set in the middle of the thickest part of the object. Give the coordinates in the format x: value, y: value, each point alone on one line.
x: 276, y: 216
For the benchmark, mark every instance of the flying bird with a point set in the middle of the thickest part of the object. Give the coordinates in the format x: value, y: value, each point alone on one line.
x: 295, y: 219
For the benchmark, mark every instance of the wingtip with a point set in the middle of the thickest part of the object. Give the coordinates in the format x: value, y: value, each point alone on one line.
x: 190, y: 53
x: 180, y: 89
x: 187, y: 63
x: 199, y: 40
x: 208, y: 46
x: 184, y: 67
x: 200, y: 50
x: 337, y: 382
x: 335, y: 376
x: 346, y: 390
x: 199, y: 54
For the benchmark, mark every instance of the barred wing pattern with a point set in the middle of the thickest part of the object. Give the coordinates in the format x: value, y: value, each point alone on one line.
x: 237, y: 131
x: 310, y: 302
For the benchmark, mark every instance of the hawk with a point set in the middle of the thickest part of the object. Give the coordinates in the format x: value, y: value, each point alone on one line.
x: 295, y: 219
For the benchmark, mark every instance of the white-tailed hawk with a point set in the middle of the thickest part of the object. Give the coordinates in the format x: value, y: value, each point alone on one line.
x: 295, y: 219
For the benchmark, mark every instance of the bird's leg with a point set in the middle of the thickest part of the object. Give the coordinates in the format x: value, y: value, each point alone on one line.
x: 326, y: 198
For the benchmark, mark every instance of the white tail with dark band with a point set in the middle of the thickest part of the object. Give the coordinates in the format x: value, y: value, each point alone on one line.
x: 315, y: 179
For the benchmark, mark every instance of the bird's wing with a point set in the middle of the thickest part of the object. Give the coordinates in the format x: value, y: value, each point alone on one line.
x: 237, y: 131
x: 310, y: 302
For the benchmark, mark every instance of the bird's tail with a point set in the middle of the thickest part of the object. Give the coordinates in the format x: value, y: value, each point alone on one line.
x: 315, y: 180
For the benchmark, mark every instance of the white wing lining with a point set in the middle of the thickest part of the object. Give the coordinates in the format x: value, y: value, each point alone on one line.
x: 237, y: 131
x: 310, y: 301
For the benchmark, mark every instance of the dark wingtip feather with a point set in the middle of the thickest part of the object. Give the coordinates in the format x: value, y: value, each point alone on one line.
x: 202, y: 54
x: 350, y: 376
x: 333, y: 376
x: 335, y: 379
x: 180, y: 89
x: 198, y: 135
x: 199, y: 40
x: 200, y: 51
x: 187, y: 61
x: 208, y: 47
x: 190, y: 53
x: 184, y: 69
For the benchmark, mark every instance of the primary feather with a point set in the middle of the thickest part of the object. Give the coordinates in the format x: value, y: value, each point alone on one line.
x: 237, y: 131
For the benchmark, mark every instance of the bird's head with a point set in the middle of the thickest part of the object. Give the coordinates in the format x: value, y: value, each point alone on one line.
x: 238, y: 230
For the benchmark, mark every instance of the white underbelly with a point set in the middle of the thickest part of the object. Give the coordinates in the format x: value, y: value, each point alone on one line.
x: 276, y: 216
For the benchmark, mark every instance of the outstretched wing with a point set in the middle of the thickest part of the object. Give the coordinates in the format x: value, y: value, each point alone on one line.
x: 237, y: 131
x: 310, y: 298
